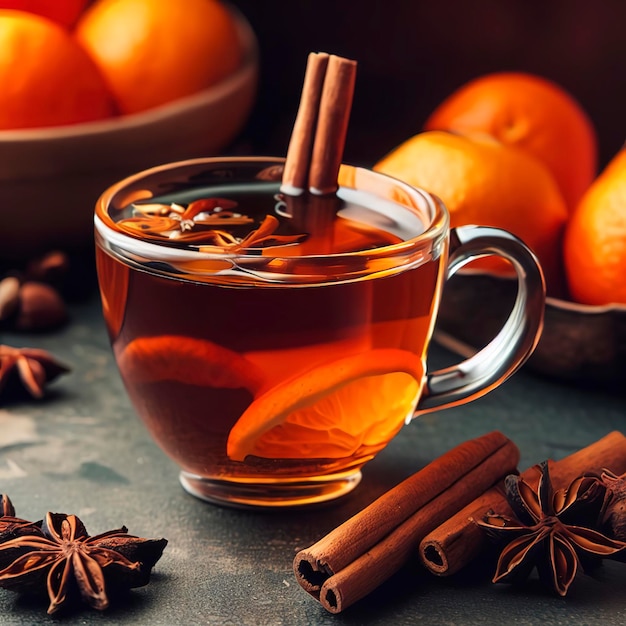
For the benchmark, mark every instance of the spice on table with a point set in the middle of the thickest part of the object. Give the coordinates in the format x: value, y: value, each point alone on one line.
x: 30, y: 368
x: 456, y: 542
x: 31, y: 298
x: 40, y: 308
x: 368, y: 548
x: 11, y: 526
x: 549, y: 531
x: 9, y: 296
x: 6, y: 506
x: 613, y: 516
x: 51, y: 268
x: 57, y: 555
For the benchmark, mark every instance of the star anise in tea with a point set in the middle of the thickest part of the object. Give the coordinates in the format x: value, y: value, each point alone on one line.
x: 552, y: 531
x: 58, y: 555
x: 203, y: 222
x: 27, y: 368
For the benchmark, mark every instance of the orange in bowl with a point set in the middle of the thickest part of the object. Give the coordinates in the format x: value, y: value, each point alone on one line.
x: 156, y: 51
x: 47, y: 78
x: 533, y: 114
x: 50, y: 178
x: 64, y: 12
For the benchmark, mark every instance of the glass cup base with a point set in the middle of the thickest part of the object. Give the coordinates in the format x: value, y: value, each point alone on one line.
x: 274, y: 494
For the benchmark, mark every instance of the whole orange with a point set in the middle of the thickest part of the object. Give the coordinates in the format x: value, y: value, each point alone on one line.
x: 595, y: 239
x: 47, y: 78
x: 64, y: 12
x: 155, y: 51
x: 482, y: 181
x: 533, y: 114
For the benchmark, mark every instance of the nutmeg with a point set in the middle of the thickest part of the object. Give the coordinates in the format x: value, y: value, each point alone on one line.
x: 50, y: 268
x: 40, y: 307
x: 9, y: 296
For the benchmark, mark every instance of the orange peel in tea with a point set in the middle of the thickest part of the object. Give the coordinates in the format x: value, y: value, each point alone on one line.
x: 334, y: 410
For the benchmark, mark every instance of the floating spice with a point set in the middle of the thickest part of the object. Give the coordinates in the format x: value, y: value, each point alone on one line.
x: 202, y: 222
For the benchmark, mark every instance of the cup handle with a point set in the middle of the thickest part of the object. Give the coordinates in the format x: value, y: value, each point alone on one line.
x: 515, y: 342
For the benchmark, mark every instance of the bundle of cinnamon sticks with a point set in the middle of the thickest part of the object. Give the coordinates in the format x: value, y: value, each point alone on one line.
x: 431, y: 514
x: 319, y: 133
x: 367, y: 549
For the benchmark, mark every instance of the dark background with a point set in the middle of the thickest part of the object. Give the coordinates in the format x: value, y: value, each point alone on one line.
x: 412, y: 54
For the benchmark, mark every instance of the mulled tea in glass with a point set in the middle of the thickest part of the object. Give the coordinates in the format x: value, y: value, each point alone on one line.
x: 272, y: 346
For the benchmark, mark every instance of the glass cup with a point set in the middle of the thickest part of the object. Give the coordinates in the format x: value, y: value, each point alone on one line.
x: 272, y: 366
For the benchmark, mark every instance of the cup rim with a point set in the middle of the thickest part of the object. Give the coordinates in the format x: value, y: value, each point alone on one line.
x: 405, y: 253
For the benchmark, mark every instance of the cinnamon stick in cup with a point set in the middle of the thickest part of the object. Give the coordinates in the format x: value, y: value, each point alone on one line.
x: 319, y: 133
x: 296, y: 172
x: 457, y: 541
x: 359, y: 555
x: 332, y: 125
x: 316, y: 146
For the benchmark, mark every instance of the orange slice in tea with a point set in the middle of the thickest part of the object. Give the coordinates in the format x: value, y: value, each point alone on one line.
x: 351, y: 406
x: 187, y: 360
x: 279, y: 365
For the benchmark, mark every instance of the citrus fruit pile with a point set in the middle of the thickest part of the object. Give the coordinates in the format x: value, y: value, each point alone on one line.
x: 70, y: 61
x: 517, y: 151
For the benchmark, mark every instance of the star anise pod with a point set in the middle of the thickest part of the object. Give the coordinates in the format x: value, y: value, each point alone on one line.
x: 6, y: 506
x: 201, y: 222
x: 11, y: 526
x: 31, y: 368
x: 60, y: 555
x: 613, y: 514
x: 551, y: 531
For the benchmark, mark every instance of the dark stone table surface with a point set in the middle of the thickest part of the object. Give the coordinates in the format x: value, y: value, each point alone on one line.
x: 82, y: 450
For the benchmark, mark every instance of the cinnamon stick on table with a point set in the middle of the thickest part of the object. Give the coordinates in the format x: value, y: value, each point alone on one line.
x: 457, y: 541
x: 368, y: 548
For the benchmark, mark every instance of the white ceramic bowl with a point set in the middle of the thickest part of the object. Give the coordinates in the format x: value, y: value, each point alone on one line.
x: 580, y: 343
x: 50, y: 178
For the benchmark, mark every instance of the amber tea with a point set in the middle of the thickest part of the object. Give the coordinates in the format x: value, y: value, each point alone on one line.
x: 271, y: 345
